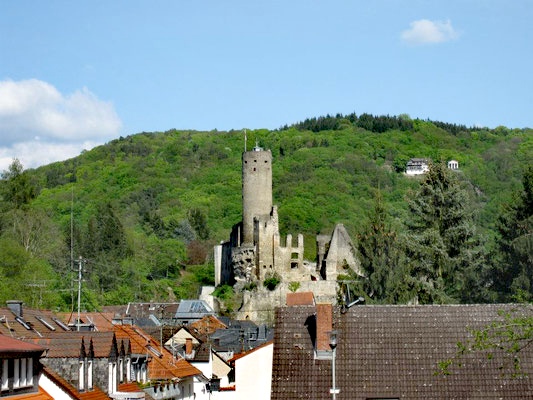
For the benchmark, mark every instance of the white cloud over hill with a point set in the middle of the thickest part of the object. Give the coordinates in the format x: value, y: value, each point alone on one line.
x: 39, y: 125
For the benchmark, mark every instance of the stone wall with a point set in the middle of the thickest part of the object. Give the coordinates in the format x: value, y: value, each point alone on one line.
x: 259, y: 305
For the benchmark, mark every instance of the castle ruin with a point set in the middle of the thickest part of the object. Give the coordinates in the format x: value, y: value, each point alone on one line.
x: 256, y: 251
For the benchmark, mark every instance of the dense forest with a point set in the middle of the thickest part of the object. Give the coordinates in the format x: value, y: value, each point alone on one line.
x: 141, y: 213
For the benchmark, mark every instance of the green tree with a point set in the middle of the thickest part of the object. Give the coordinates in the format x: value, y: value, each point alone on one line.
x: 378, y: 249
x: 445, y: 258
x: 514, y: 275
x: 18, y: 188
x: 198, y: 221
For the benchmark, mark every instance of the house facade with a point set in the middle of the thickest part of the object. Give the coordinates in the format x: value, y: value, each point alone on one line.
x: 20, y: 367
x: 121, y: 363
x: 253, y: 373
x: 417, y: 166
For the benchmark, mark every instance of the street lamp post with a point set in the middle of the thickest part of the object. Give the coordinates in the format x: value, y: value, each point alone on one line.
x: 333, y: 344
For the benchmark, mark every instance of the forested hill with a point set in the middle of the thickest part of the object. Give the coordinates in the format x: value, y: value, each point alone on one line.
x: 144, y: 211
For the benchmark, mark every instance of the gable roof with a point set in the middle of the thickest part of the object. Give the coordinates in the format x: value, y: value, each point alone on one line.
x: 392, y: 352
x: 10, y: 345
x: 206, y: 326
x: 102, y: 321
x: 68, y: 344
x: 163, y: 365
x: 31, y: 324
x: 41, y: 394
x: 94, y: 394
x: 247, y: 353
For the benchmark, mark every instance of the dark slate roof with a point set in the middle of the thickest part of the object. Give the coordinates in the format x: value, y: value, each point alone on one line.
x: 393, y: 352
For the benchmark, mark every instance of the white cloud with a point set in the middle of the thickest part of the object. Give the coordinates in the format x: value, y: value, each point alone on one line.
x: 39, y: 125
x: 424, y: 31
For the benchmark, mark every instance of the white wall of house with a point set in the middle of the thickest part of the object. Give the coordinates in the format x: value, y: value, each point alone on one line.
x: 180, y: 337
x: 253, y: 374
x: 53, y: 389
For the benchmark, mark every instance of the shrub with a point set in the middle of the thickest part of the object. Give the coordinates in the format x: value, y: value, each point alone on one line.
x: 294, y: 286
x: 271, y: 281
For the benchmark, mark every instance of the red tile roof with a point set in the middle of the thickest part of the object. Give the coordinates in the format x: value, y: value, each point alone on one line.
x: 32, y: 324
x: 94, y: 394
x: 300, y: 299
x: 206, y: 326
x: 162, y: 364
x: 10, y: 345
x: 68, y: 344
x: 40, y: 395
x: 241, y: 355
x: 101, y: 320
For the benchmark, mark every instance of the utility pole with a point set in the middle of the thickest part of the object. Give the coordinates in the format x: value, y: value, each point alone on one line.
x: 80, y: 270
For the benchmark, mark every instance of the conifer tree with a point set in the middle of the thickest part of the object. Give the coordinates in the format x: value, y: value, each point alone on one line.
x: 378, y: 248
x: 445, y: 260
x: 514, y: 273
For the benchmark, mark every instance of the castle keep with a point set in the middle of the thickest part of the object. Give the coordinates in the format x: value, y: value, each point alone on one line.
x: 256, y: 250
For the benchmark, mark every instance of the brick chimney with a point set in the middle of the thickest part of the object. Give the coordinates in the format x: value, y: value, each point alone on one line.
x: 15, y: 306
x: 324, y: 325
x: 188, y: 348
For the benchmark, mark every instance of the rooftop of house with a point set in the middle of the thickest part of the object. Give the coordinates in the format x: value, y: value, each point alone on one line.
x: 300, y: 299
x: 248, y: 352
x: 39, y: 395
x: 392, y: 352
x: 19, y: 322
x: 69, y: 344
x: 163, y: 365
x: 9, y: 345
x: 206, y: 326
x: 193, y: 310
x: 101, y: 321
x: 94, y: 394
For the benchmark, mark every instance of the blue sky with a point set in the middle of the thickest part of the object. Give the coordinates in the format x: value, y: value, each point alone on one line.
x: 75, y: 74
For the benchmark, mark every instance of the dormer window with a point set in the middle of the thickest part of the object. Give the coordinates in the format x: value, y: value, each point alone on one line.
x: 22, y: 372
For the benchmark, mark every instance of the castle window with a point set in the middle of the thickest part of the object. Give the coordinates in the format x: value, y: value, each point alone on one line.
x: 294, y: 264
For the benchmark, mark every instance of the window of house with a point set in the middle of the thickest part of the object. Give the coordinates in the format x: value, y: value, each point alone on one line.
x: 4, y: 381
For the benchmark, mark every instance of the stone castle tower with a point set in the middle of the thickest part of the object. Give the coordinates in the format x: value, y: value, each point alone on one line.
x: 256, y: 189
x: 255, y: 250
